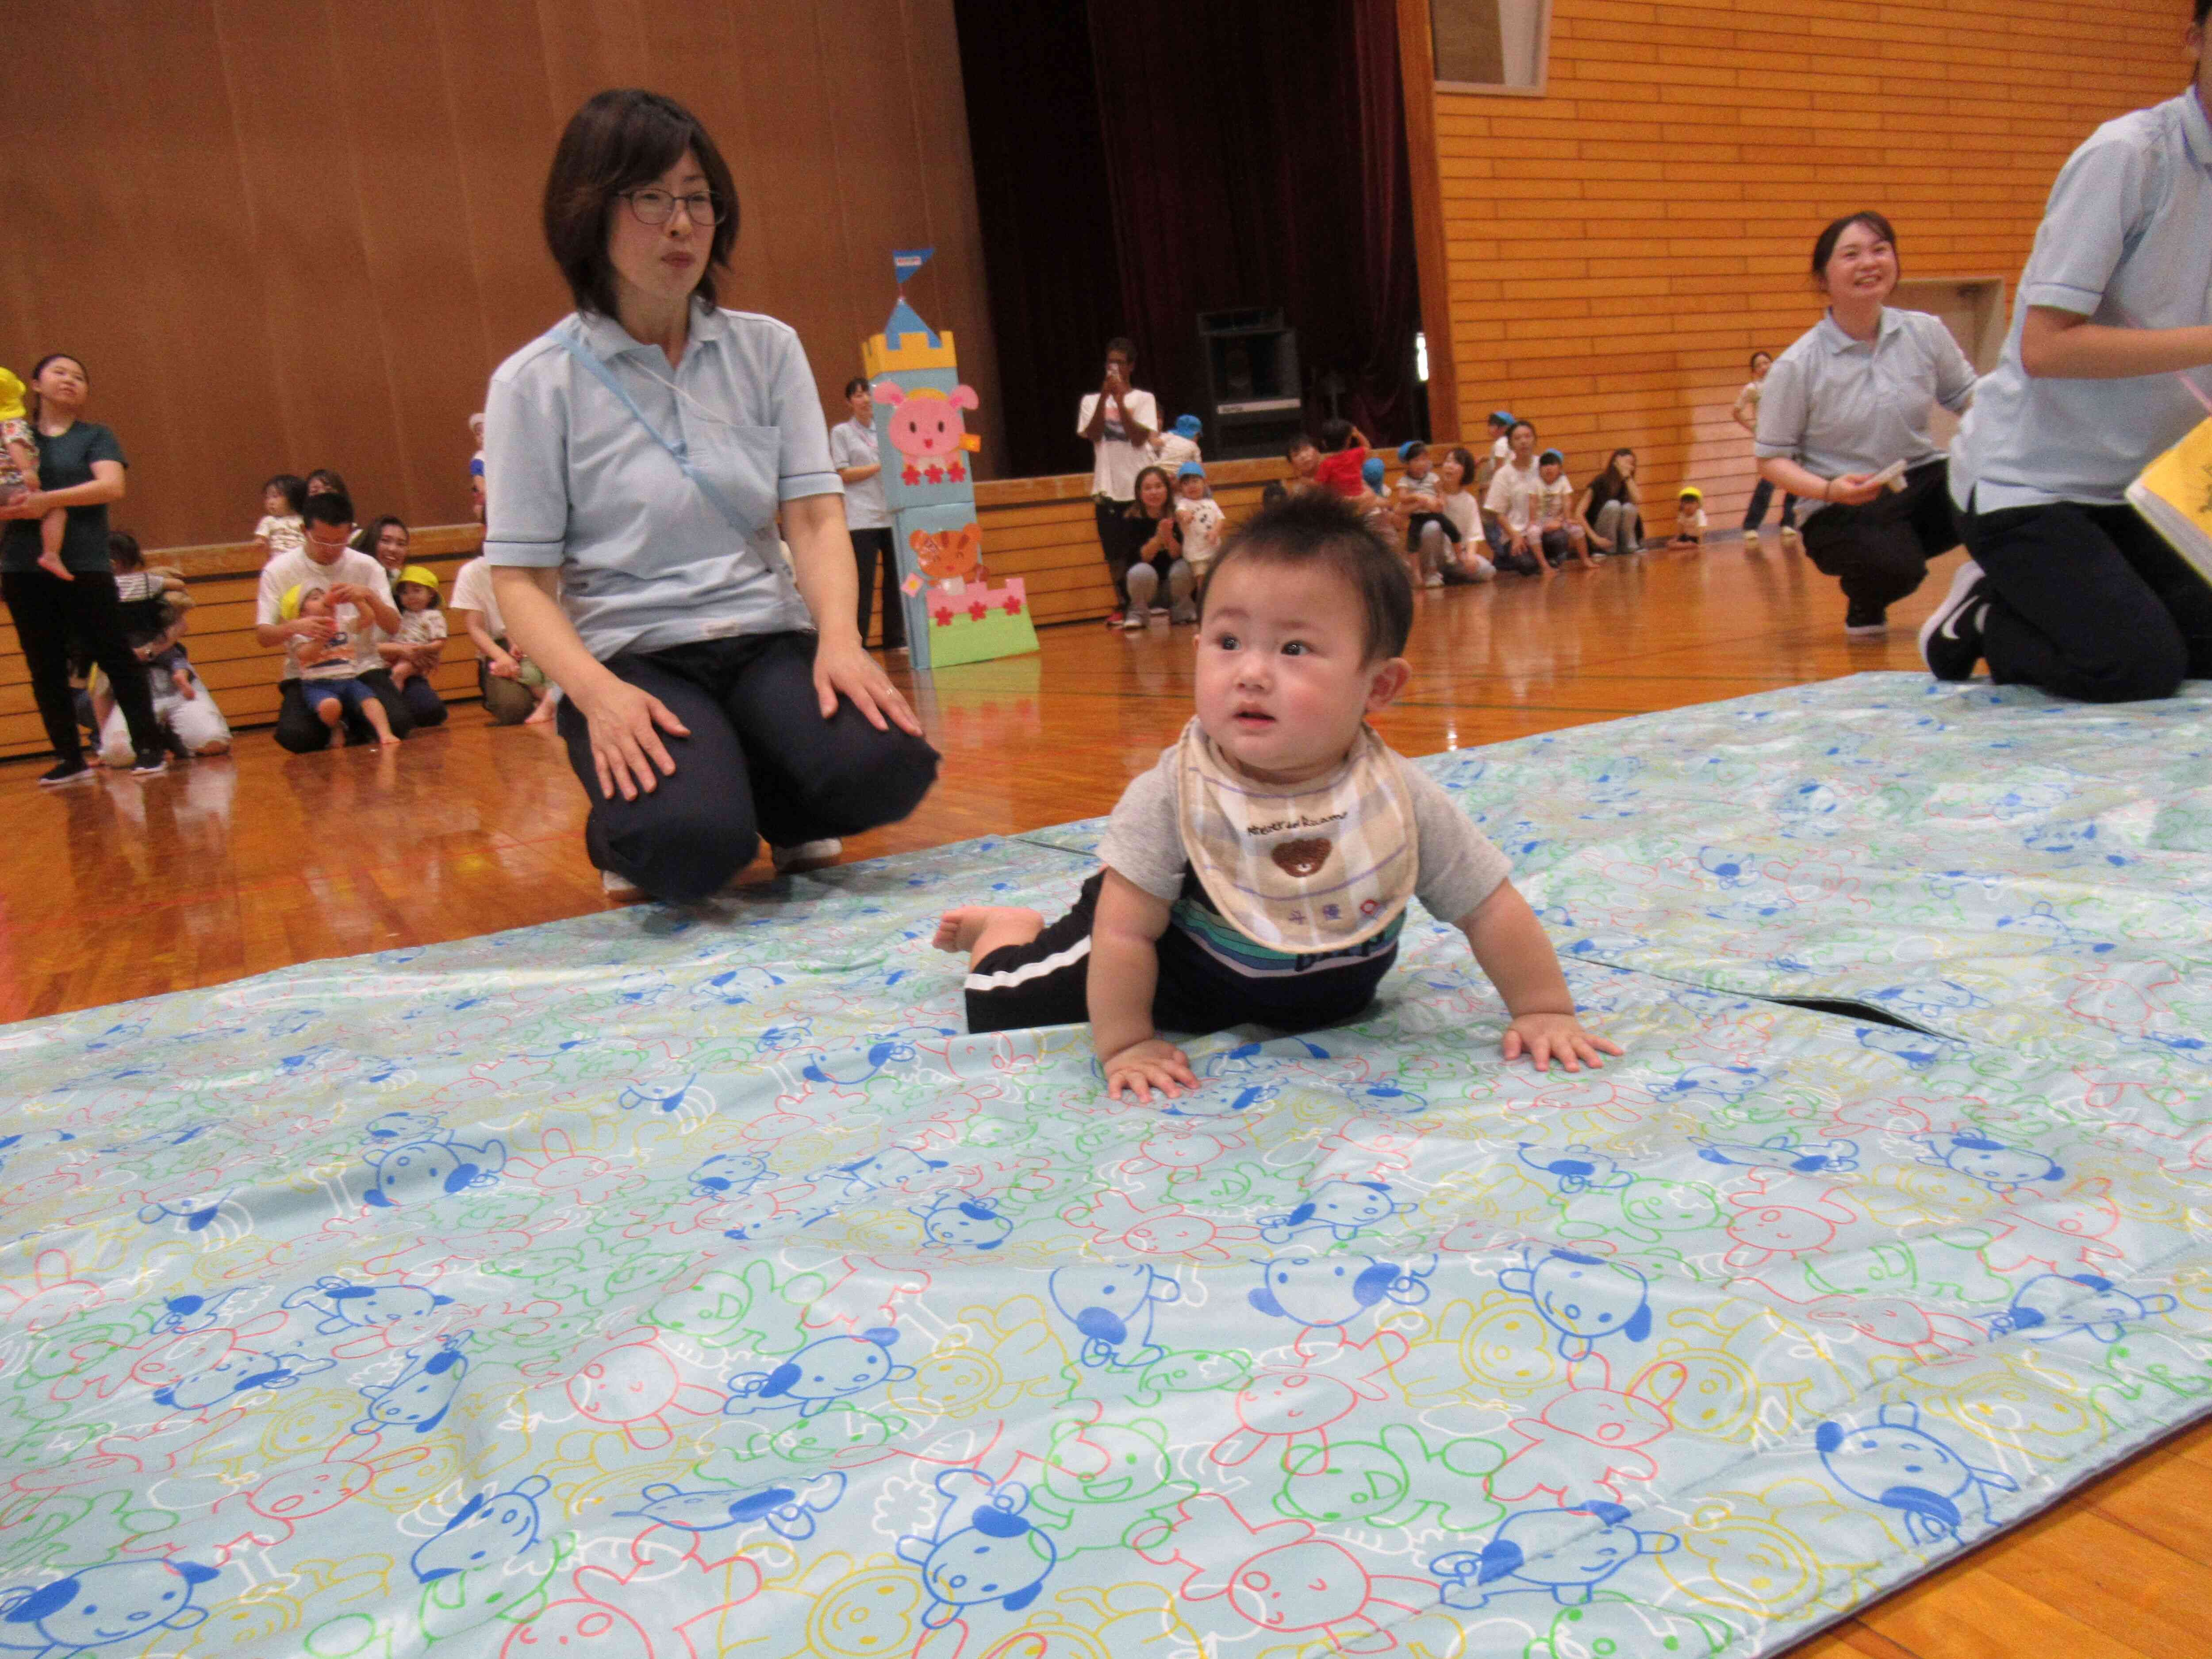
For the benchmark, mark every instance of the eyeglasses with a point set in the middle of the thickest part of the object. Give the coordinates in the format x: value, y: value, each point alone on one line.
x: 654, y: 207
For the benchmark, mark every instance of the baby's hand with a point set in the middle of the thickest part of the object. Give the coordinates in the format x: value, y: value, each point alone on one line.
x: 1144, y: 1067
x: 1546, y: 1037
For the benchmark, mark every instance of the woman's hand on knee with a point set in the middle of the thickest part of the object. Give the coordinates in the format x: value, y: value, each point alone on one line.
x: 846, y: 670
x: 626, y: 722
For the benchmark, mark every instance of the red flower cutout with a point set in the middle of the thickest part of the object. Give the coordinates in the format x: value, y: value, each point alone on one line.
x: 1012, y: 605
x: 910, y: 476
x: 935, y: 474
x: 955, y: 472
x: 978, y: 610
x: 943, y: 615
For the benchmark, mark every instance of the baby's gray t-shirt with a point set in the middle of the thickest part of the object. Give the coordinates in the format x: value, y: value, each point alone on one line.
x: 1459, y: 867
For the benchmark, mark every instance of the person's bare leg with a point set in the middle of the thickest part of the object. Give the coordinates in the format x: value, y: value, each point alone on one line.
x: 331, y: 712
x: 50, y: 543
x: 980, y: 929
x: 372, y: 712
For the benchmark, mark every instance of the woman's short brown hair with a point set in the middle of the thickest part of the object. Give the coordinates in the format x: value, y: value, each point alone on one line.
x: 621, y: 139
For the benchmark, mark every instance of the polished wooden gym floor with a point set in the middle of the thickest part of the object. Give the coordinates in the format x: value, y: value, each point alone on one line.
x: 125, y: 888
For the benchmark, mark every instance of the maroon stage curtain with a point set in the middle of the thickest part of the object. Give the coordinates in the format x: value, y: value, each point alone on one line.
x: 1252, y: 155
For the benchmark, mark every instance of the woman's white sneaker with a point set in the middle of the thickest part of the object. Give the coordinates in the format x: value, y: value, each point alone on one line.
x: 807, y: 855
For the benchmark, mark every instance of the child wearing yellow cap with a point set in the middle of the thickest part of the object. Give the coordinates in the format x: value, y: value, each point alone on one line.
x: 19, y: 472
x: 1690, y: 518
x: 420, y: 622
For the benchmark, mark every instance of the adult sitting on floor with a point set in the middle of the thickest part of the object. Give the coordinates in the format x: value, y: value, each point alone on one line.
x: 636, y: 456
x: 2069, y: 588
x: 351, y: 578
x: 513, y: 685
x: 386, y: 541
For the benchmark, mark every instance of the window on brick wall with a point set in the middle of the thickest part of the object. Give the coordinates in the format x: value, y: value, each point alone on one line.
x: 1491, y: 46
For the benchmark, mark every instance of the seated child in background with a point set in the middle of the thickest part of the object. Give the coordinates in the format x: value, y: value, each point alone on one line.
x: 1260, y: 874
x: 477, y: 468
x: 1178, y: 447
x: 19, y: 473
x: 1689, y: 518
x: 1418, y: 506
x: 1199, y: 520
x: 282, y: 530
x: 1344, y: 457
x: 1557, y: 525
x: 331, y: 663
x: 420, y: 622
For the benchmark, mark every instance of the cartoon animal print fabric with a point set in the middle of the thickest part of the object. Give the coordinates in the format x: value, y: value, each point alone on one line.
x: 671, y: 1283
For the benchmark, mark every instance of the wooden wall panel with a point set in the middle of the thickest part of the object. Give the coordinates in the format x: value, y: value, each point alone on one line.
x: 286, y: 233
x: 1618, y: 247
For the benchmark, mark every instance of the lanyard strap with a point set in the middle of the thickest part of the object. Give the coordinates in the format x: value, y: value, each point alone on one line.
x: 571, y: 342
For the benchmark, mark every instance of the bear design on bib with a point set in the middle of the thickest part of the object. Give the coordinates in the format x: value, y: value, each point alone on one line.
x: 1301, y: 859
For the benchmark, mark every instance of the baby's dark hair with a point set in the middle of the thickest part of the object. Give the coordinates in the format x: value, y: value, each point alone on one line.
x: 330, y: 483
x: 295, y: 488
x: 1273, y: 494
x: 1297, y: 442
x: 1316, y: 527
x: 123, y: 551
x: 1335, y: 434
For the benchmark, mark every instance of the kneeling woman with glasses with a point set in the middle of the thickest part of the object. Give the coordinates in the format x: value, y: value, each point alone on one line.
x: 637, y: 457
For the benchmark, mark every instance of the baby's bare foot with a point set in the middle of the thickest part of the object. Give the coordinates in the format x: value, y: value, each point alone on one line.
x: 53, y: 565
x: 969, y: 926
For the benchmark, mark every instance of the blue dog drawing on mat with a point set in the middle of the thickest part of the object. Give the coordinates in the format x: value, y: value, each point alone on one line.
x: 991, y: 1552
x: 1342, y: 1209
x: 1549, y: 1550
x: 187, y: 1315
x: 241, y: 1370
x: 1583, y: 1297
x: 2000, y: 1168
x: 1577, y: 1169
x: 1898, y: 1465
x: 431, y: 1166
x: 2050, y: 1306
x: 419, y: 1397
x: 1113, y: 1309
x: 1326, y: 1291
x: 342, y: 1306
x: 492, y: 1529
x: 1784, y: 1152
x: 95, y: 1607
x: 727, y: 1175
x: 820, y: 1373
x: 958, y: 1219
x: 789, y: 1512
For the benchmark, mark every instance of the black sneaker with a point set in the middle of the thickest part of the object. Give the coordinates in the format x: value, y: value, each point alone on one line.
x: 1950, y: 638
x: 74, y: 771
x: 149, y: 762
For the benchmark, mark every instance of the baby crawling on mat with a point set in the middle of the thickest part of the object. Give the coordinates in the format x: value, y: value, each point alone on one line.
x: 1260, y: 873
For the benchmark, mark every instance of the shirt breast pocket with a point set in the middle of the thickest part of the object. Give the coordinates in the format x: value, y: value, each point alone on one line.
x: 741, y: 463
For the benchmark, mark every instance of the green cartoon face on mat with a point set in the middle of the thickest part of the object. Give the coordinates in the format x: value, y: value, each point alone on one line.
x: 1106, y: 1462
x: 1356, y: 1483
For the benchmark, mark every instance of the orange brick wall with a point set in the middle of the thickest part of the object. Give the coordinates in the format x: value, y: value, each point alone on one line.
x: 1617, y: 247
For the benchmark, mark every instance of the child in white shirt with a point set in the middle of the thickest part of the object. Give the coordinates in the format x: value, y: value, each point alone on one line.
x: 1199, y: 520
x: 281, y: 530
x: 420, y: 622
x: 1263, y: 871
x: 1417, y: 503
x: 1178, y: 447
x: 1690, y: 518
x: 1558, y: 528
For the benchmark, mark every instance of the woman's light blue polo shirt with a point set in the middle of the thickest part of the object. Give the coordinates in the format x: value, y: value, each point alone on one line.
x: 647, y: 560
x: 2126, y: 240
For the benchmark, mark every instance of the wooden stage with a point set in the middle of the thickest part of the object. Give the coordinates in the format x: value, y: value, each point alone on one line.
x: 123, y: 888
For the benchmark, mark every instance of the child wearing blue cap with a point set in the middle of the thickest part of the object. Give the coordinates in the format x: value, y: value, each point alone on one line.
x: 1178, y: 447
x: 1199, y: 520
x: 1431, y: 540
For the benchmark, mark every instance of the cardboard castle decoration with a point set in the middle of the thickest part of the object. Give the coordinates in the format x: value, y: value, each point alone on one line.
x: 953, y: 614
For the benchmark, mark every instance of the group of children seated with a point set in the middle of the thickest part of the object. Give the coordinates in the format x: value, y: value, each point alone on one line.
x: 1456, y: 518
